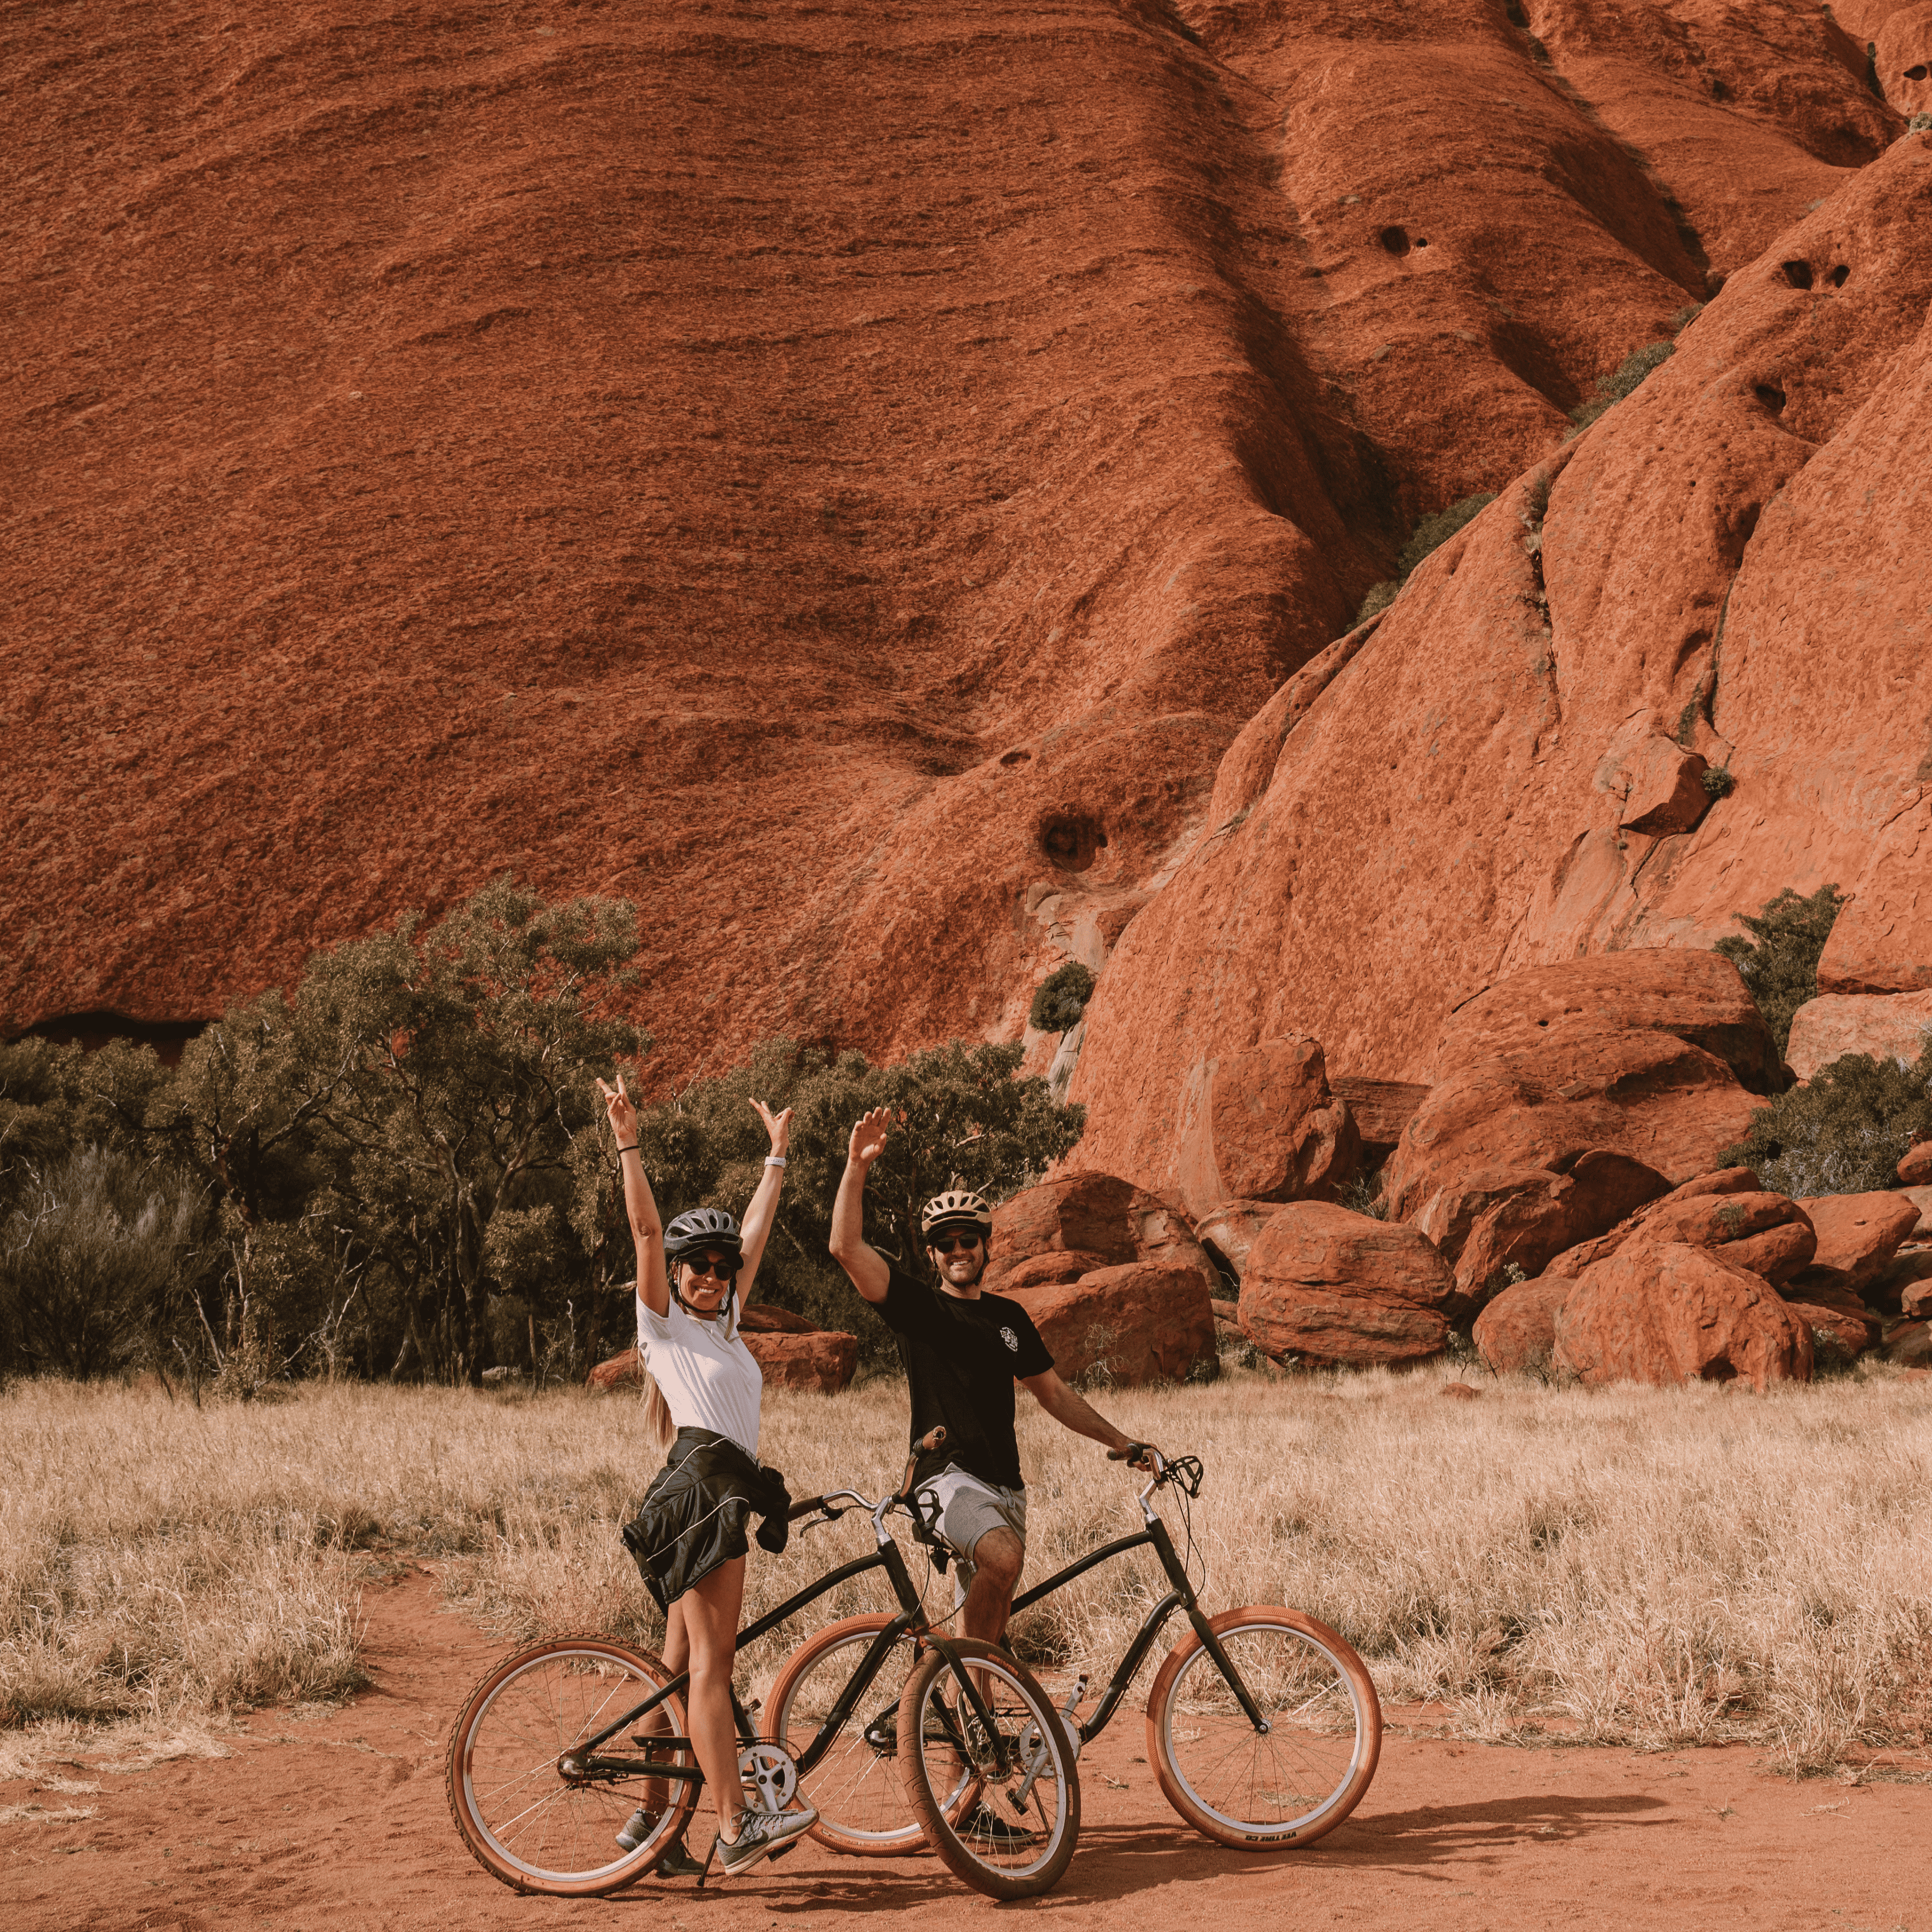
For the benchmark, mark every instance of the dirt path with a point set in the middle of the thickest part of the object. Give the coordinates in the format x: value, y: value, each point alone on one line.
x: 341, y: 1823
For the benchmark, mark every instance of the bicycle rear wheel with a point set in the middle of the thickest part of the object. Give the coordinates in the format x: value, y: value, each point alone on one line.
x: 1002, y: 1810
x: 1260, y: 1790
x: 527, y: 1816
x: 861, y: 1798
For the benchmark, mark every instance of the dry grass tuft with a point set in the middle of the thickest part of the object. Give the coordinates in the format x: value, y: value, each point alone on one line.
x: 1637, y: 1566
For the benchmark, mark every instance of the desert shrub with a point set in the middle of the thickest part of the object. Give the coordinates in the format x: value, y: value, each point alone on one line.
x: 1062, y: 998
x: 1780, y: 961
x: 1718, y: 781
x: 1428, y: 535
x: 1919, y: 124
x: 1364, y: 1196
x: 95, y: 1251
x: 1628, y: 375
x: 1844, y: 1132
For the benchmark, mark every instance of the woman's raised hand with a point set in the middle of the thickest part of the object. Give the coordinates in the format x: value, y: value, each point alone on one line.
x: 868, y: 1136
x: 623, y: 1115
x: 779, y: 1125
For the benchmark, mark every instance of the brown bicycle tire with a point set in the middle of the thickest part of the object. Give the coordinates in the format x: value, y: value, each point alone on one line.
x: 939, y: 1827
x: 474, y: 1830
x: 828, y: 1831
x: 1255, y: 1837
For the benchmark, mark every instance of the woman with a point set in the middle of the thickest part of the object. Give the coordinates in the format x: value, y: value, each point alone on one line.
x: 689, y: 1537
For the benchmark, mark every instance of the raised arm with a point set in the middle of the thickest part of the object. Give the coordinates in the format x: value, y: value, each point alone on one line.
x: 763, y: 1209
x: 850, y: 1249
x: 647, y: 1224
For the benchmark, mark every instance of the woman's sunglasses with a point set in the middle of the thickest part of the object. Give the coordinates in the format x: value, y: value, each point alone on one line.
x: 724, y: 1267
x: 944, y: 1244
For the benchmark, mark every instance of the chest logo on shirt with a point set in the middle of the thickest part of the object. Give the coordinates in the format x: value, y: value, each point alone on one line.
x: 1012, y: 1340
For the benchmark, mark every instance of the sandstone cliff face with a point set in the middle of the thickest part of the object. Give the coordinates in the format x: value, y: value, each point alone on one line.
x: 1733, y: 561
x: 844, y: 478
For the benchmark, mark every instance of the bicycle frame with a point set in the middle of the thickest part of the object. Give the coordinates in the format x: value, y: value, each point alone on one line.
x: 587, y: 1761
x: 1180, y: 1596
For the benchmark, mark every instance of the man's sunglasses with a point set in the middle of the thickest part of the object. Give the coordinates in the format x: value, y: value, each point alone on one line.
x: 944, y: 1244
x: 724, y: 1267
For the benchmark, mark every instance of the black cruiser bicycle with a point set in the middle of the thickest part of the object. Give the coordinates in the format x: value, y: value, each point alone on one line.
x: 1263, y: 1726
x: 558, y: 1746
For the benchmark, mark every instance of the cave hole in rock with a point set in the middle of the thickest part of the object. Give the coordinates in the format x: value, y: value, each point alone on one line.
x: 1395, y: 240
x: 1230, y: 1283
x: 1797, y: 273
x: 1072, y: 841
x: 1917, y: 73
x: 1015, y: 757
x: 1421, y: 242
x: 1771, y: 396
x: 1839, y: 276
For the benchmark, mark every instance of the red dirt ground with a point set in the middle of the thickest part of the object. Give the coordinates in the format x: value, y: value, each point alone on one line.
x: 345, y: 1824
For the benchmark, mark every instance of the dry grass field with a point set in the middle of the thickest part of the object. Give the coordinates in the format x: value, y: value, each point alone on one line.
x: 1640, y: 1566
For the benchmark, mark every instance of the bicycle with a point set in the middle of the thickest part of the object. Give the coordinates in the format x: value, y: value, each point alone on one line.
x: 1263, y: 1726
x: 545, y: 1762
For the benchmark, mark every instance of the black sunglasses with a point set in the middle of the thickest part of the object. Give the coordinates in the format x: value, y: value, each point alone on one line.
x: 724, y: 1267
x: 944, y: 1244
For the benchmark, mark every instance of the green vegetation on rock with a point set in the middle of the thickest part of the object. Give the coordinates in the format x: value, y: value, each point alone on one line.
x: 1779, y: 963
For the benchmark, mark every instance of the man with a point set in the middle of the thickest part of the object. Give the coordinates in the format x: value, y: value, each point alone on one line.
x: 963, y: 1350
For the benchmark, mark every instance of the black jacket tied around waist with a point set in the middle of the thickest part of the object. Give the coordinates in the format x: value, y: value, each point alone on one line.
x: 693, y: 1516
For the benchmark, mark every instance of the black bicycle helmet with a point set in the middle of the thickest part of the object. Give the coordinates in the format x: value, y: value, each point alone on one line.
x: 698, y: 1228
x: 957, y: 1211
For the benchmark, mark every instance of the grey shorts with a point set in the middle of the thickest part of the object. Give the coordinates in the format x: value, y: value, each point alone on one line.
x: 966, y: 1509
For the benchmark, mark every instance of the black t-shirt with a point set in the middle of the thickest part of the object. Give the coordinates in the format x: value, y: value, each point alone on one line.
x: 961, y: 1358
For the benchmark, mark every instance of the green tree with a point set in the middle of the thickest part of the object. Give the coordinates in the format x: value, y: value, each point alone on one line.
x: 469, y: 1048
x: 1779, y: 963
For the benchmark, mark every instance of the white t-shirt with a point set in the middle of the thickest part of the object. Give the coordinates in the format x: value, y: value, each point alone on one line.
x: 708, y: 1382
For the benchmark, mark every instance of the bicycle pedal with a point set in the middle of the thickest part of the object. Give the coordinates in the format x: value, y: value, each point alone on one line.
x: 783, y: 1852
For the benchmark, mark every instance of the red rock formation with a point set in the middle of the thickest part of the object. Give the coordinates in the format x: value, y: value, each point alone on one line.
x: 1516, y: 1334
x: 1887, y: 1026
x: 1093, y: 1218
x: 1858, y: 1235
x: 1262, y: 1126
x: 1838, y: 1331
x: 1146, y: 1322
x: 1445, y: 810
x: 1230, y: 1230
x: 1327, y: 1288
x: 1910, y: 1345
x: 1769, y: 1234
x: 1676, y: 1313
x: 843, y: 478
x: 1915, y: 1170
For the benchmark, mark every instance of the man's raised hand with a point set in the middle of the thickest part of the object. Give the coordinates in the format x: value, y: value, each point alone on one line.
x: 868, y: 1137
x: 779, y: 1125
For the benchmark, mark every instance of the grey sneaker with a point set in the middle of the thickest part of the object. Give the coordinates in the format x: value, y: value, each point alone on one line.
x: 634, y: 1834
x: 761, y: 1834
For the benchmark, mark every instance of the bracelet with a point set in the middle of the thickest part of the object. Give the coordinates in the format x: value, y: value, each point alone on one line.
x: 631, y: 1149
x: 775, y: 1160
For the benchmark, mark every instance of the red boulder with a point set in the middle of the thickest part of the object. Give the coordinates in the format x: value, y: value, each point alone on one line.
x: 1142, y: 1322
x: 822, y: 1359
x: 1263, y: 1126
x: 1229, y: 1230
x: 620, y: 1372
x: 1887, y: 1026
x: 1517, y: 1333
x: 1328, y: 1288
x: 1768, y: 1234
x: 1858, y: 1236
x: 1916, y: 1169
x: 1105, y: 1221
x: 1678, y: 1314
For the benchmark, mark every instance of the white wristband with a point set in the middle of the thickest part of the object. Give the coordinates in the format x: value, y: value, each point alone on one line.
x: 775, y: 1160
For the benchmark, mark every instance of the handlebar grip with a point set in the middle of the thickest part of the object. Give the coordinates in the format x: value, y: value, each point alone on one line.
x: 934, y: 1438
x: 1132, y: 1453
x: 810, y: 1506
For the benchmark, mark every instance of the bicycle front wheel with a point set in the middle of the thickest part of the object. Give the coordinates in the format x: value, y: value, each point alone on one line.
x: 856, y: 1785
x: 1298, y: 1776
x: 534, y: 1814
x: 1000, y: 1805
